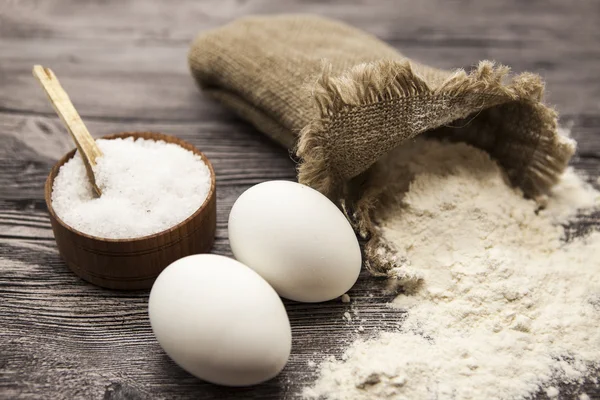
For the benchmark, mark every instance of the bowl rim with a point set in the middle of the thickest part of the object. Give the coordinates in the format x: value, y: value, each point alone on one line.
x: 48, y: 186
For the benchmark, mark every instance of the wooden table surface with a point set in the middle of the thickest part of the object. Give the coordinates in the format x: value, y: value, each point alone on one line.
x: 124, y: 64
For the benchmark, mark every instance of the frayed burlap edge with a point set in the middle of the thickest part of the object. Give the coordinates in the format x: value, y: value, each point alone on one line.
x: 370, y: 83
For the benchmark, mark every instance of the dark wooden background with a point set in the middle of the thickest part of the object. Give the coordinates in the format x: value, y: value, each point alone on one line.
x: 124, y: 64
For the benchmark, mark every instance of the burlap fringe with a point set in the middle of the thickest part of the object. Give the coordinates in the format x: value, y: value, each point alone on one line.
x: 370, y: 83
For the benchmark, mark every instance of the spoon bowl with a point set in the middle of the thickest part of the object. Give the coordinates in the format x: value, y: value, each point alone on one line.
x: 132, y: 264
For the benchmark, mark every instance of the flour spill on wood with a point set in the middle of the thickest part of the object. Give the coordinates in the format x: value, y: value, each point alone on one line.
x: 507, y: 307
x: 147, y: 187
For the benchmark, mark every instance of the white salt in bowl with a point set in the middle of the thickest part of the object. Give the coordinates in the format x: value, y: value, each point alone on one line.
x: 132, y: 264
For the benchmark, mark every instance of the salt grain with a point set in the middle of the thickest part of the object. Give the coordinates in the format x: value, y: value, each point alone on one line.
x: 147, y: 187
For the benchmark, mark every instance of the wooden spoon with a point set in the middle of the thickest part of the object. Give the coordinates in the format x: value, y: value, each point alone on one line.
x: 88, y: 149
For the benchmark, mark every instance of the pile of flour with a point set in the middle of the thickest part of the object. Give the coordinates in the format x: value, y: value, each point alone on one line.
x: 507, y: 307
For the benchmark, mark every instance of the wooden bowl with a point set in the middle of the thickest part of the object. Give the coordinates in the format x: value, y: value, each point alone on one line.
x: 134, y: 263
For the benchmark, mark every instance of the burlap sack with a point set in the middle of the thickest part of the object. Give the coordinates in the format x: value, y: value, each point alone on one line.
x: 341, y: 99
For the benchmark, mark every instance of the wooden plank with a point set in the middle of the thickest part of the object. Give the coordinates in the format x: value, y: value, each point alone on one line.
x: 128, y: 59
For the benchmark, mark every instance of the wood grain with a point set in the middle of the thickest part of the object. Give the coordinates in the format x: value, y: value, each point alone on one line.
x: 124, y: 65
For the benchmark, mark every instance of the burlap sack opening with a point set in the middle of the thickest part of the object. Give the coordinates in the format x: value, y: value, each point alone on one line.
x: 342, y: 99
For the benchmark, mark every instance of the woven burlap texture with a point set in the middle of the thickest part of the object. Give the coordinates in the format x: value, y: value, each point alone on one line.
x: 341, y: 99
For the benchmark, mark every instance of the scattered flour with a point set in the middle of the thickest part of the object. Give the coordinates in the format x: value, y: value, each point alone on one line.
x: 147, y: 186
x: 506, y: 309
x: 552, y: 392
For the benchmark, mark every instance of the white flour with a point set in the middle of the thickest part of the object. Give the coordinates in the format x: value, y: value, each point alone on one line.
x: 507, y: 308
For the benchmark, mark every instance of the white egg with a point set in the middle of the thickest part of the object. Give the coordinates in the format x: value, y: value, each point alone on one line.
x: 296, y: 239
x: 220, y: 321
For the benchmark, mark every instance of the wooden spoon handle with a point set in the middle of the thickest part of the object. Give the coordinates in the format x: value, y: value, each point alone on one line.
x: 66, y: 111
